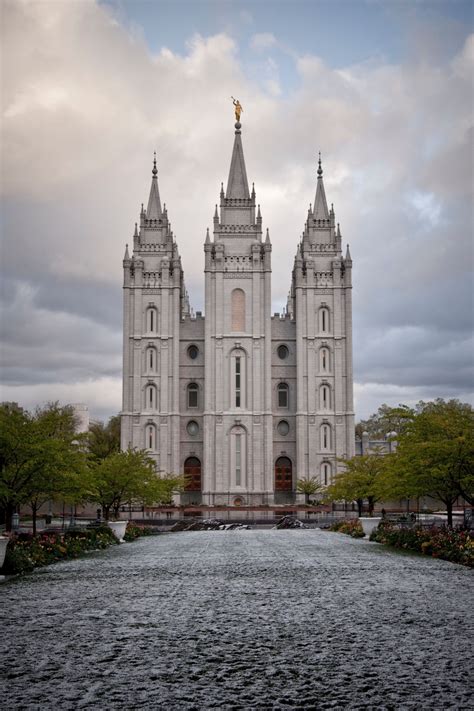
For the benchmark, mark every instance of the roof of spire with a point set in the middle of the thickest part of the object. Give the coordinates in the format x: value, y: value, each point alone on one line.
x: 154, y: 205
x: 237, y: 185
x: 321, y: 211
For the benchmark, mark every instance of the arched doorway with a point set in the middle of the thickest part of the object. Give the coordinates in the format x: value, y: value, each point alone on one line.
x: 283, y: 474
x: 192, y: 472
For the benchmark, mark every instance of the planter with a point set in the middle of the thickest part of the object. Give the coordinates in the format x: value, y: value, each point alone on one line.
x: 3, y: 549
x: 368, y: 524
x: 118, y: 527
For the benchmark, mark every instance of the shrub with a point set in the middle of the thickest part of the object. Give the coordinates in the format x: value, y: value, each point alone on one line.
x: 135, y: 531
x: 456, y: 546
x: 351, y: 527
x: 26, y: 552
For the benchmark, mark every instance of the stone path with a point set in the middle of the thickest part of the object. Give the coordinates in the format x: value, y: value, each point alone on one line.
x: 239, y: 620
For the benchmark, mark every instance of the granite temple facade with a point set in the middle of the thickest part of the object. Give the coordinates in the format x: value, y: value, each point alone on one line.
x: 242, y: 402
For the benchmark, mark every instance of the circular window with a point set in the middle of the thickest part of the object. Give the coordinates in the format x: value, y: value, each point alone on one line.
x: 192, y: 428
x: 193, y: 352
x: 282, y: 352
x: 283, y: 427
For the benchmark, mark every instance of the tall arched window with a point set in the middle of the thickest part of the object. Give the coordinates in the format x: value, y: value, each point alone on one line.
x: 325, y: 473
x: 324, y: 323
x: 192, y: 392
x: 325, y: 437
x: 238, y: 456
x: 325, y: 397
x: 150, y: 397
x: 151, y: 320
x: 150, y: 359
x: 238, y: 310
x: 238, y: 378
x: 283, y: 395
x: 324, y: 365
x: 150, y: 437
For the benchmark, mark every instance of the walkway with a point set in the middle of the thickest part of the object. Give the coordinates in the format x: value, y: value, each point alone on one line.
x: 239, y: 620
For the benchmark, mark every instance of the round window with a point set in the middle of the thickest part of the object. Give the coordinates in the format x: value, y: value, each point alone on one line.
x: 282, y: 352
x: 192, y: 428
x: 283, y: 427
x: 193, y: 352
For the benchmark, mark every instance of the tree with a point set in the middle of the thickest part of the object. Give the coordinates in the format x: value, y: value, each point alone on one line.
x: 386, y: 420
x: 103, y: 440
x: 124, y: 477
x: 308, y: 487
x: 435, y: 455
x: 37, y: 452
x: 361, y: 479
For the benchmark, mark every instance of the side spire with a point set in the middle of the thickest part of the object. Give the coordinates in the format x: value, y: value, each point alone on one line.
x: 321, y: 211
x: 237, y: 184
x: 154, y: 205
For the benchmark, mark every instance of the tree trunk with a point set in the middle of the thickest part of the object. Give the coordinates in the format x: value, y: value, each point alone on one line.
x: 34, y: 513
x: 9, y: 511
x: 116, y: 512
x: 360, y: 503
x: 449, y: 510
x: 371, y: 505
x: 106, y: 512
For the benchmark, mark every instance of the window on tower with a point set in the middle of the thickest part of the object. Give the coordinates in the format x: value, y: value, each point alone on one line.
x: 238, y: 310
x: 324, y: 325
x: 193, y: 390
x: 283, y: 395
x: 151, y: 320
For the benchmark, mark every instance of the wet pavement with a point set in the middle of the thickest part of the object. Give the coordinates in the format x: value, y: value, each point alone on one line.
x: 298, y: 619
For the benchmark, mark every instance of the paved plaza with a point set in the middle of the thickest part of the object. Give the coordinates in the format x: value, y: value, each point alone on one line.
x: 262, y: 619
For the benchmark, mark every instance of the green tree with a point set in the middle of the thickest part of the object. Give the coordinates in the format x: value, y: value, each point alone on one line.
x: 37, y: 453
x: 103, y: 440
x: 386, y: 420
x: 435, y: 455
x: 360, y: 480
x: 122, y: 478
x: 308, y: 487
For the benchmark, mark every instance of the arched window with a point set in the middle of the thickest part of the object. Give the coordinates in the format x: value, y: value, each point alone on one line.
x: 325, y: 473
x: 150, y: 358
x: 150, y: 397
x: 192, y: 390
x: 238, y: 374
x: 324, y: 365
x: 324, y: 323
x: 325, y: 437
x: 238, y: 455
x: 238, y: 310
x: 150, y: 437
x: 283, y: 395
x: 325, y: 397
x: 151, y: 320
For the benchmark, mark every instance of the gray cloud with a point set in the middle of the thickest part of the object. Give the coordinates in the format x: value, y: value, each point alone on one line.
x: 85, y: 104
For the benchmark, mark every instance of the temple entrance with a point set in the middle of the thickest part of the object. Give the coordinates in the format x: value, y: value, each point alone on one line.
x: 283, y: 474
x: 192, y: 471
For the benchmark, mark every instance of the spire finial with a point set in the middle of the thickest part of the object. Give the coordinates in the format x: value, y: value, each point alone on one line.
x: 154, y: 171
x: 320, y: 170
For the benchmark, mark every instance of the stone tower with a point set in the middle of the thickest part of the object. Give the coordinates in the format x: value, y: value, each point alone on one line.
x: 243, y: 402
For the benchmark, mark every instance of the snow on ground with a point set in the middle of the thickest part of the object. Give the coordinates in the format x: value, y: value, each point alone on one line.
x: 262, y: 619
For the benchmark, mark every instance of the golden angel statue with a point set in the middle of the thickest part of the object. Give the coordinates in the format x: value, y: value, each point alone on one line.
x: 238, y: 108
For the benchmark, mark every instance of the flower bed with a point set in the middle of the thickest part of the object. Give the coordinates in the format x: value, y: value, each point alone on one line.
x: 26, y: 552
x: 351, y: 527
x: 135, y: 531
x: 438, y: 542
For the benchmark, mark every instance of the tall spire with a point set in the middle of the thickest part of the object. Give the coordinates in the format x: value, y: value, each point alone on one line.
x: 237, y: 185
x: 154, y: 205
x: 321, y: 211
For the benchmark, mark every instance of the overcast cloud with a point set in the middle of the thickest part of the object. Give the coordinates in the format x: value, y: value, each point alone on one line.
x: 85, y: 103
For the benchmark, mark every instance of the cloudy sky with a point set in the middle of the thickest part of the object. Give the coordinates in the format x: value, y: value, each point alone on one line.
x: 90, y: 89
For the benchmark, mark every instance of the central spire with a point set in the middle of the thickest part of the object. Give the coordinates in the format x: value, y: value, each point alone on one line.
x: 154, y: 204
x: 321, y: 211
x: 237, y: 184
